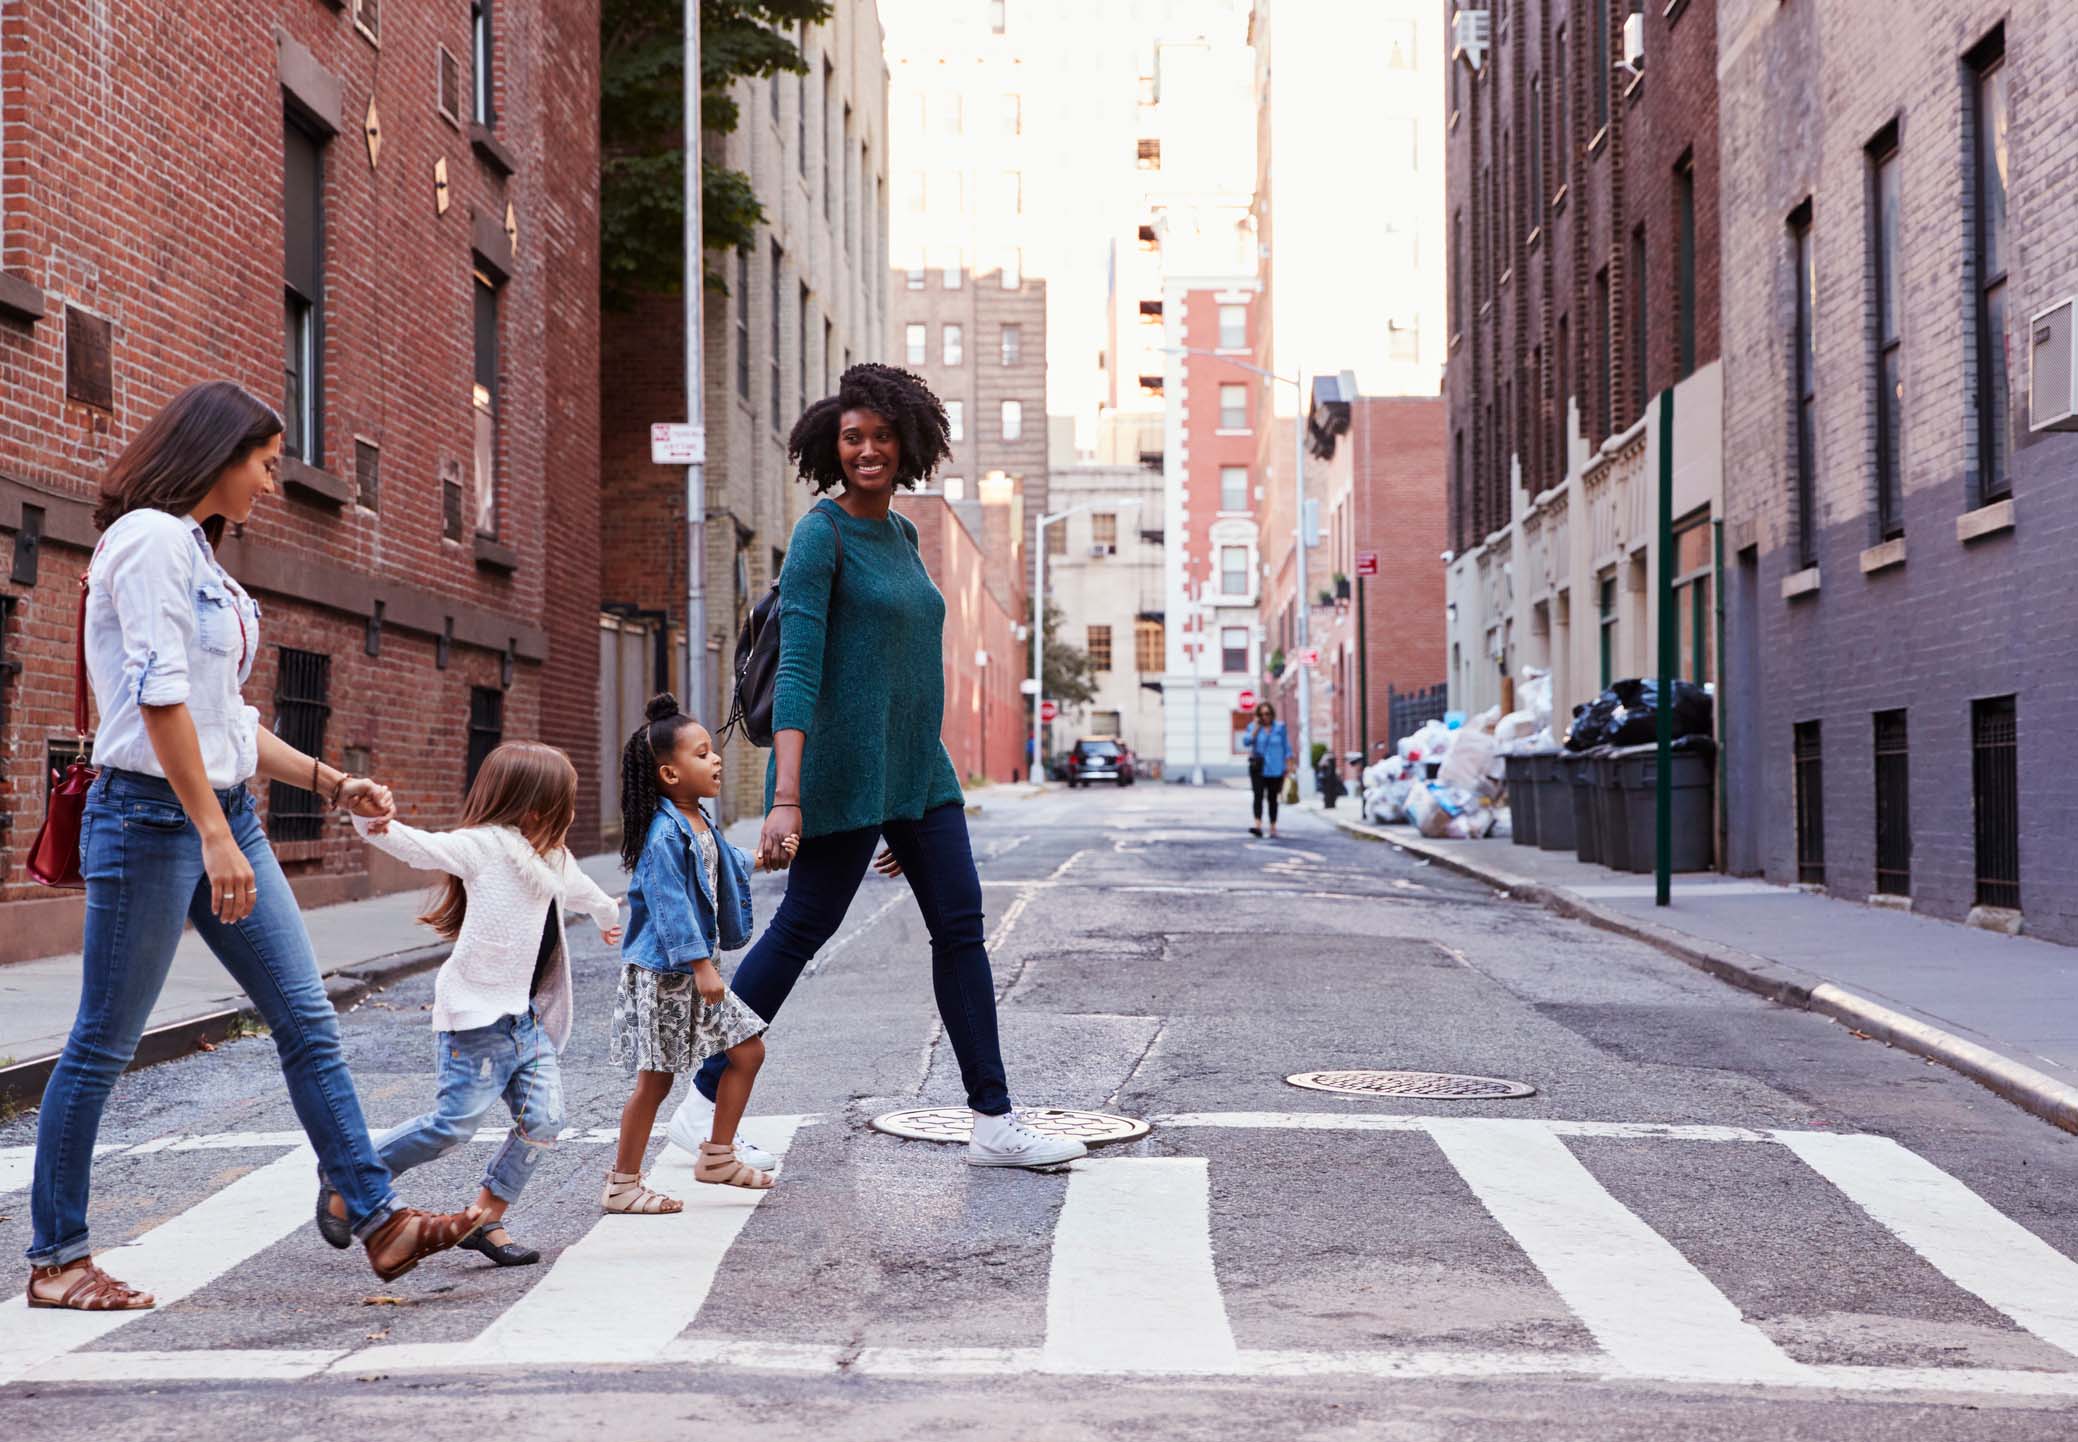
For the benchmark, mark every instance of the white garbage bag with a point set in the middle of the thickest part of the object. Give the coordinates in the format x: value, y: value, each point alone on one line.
x: 1474, y: 764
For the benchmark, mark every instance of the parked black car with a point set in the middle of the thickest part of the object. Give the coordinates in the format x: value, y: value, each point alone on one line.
x: 1100, y: 758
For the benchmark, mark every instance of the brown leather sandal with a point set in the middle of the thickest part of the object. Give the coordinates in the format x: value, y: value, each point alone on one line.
x: 94, y: 1291
x: 437, y: 1231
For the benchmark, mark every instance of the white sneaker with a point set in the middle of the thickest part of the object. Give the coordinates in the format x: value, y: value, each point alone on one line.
x: 1008, y: 1141
x: 693, y: 1122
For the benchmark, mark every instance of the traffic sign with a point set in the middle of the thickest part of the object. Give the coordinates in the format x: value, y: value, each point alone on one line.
x: 674, y: 443
x: 1367, y: 563
x: 1047, y: 710
x: 1307, y: 656
x: 1245, y: 701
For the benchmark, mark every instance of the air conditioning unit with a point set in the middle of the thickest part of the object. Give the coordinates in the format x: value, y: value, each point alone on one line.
x: 1634, y: 42
x: 2052, y: 383
x: 1103, y: 548
x: 1471, y: 32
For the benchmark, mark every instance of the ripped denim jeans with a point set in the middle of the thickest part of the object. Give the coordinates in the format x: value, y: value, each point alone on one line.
x: 511, y: 1058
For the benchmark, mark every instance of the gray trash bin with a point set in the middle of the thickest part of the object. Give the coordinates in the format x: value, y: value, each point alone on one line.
x: 1578, y: 767
x: 1524, y: 821
x: 1694, y: 782
x: 1554, y: 787
x: 1609, y: 806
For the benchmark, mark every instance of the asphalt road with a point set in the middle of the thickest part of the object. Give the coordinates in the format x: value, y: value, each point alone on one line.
x: 1714, y: 1218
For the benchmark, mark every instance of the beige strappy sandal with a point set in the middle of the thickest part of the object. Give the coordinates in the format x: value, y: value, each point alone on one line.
x: 626, y: 1196
x: 719, y: 1165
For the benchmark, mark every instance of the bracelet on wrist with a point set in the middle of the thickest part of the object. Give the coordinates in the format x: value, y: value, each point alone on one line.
x: 795, y: 804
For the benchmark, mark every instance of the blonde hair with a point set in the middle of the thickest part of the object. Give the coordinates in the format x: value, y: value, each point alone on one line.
x: 527, y: 785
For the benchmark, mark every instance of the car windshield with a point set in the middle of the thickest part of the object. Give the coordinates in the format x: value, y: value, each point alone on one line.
x: 1095, y: 749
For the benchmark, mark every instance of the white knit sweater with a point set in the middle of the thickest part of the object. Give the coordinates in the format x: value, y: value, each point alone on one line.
x: 510, y: 886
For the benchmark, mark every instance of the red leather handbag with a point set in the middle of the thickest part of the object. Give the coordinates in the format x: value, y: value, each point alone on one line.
x: 54, y: 857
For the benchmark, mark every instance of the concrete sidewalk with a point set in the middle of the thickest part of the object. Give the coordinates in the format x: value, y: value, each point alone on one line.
x: 2000, y: 1009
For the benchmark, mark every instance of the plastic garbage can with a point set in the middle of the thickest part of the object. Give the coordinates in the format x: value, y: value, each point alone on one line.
x: 1554, y: 787
x: 1694, y: 775
x: 1609, y: 806
x: 1523, y: 801
x: 1579, y: 769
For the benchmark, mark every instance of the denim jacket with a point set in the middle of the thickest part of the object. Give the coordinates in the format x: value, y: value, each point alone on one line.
x: 1271, y: 743
x: 672, y: 921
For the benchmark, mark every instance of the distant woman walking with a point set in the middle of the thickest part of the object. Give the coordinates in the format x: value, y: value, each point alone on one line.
x: 1269, y: 757
x: 169, y: 836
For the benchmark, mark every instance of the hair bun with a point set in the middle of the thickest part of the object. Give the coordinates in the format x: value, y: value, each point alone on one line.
x: 662, y: 707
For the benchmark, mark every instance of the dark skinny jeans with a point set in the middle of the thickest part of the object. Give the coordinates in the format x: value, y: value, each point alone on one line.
x: 1266, y: 788
x: 939, y: 865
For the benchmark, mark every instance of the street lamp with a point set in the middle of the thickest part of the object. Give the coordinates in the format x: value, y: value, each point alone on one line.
x: 1298, y: 383
x: 1120, y: 503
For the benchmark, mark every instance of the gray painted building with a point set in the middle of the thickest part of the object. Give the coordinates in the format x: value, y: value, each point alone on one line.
x: 1901, y: 670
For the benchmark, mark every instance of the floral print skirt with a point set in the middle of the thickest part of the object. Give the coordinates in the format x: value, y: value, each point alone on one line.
x: 661, y: 1024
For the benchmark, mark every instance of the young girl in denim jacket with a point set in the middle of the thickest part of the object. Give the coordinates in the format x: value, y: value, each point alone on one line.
x: 501, y: 1001
x: 688, y: 899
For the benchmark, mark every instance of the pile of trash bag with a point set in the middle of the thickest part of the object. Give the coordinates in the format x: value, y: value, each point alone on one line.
x: 1627, y: 714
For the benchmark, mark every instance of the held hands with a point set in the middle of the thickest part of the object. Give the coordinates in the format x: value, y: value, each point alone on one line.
x: 788, y: 848
x: 780, y: 838
x: 611, y: 935
x: 708, y: 980
x: 886, y: 864
x: 371, y: 799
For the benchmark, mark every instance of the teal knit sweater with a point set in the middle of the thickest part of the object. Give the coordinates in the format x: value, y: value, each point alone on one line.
x: 861, y: 675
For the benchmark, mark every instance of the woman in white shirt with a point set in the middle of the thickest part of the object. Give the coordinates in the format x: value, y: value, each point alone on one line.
x: 170, y: 836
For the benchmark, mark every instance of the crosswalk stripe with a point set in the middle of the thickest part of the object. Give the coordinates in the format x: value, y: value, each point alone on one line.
x: 241, y: 1364
x: 1132, y: 1287
x: 1652, y: 1311
x: 1408, y: 1122
x: 173, y: 1260
x: 1964, y: 1237
x: 630, y: 1285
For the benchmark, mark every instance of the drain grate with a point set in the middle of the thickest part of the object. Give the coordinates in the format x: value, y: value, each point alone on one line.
x: 956, y: 1124
x: 1438, y: 1086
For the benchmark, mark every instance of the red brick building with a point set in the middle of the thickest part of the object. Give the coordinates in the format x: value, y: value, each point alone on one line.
x: 384, y: 220
x: 986, y: 718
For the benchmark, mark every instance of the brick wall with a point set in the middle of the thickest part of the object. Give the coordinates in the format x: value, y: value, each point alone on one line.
x: 985, y: 715
x: 143, y: 186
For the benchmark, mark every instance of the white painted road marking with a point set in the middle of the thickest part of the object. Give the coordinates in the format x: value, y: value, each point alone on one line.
x: 1652, y: 1311
x: 1132, y: 1288
x: 1970, y: 1242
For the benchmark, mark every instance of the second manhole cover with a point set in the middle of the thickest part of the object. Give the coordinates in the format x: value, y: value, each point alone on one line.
x: 956, y: 1124
x: 1438, y: 1086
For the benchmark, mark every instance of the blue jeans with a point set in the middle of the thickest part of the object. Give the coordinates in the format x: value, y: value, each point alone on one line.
x: 510, y: 1058
x: 939, y: 866
x: 142, y: 859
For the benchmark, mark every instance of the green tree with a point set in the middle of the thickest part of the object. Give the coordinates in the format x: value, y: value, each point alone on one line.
x: 1070, y: 676
x: 642, y: 130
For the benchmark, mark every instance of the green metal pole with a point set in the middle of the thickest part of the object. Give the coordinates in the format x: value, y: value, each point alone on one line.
x: 1717, y: 620
x: 1670, y: 651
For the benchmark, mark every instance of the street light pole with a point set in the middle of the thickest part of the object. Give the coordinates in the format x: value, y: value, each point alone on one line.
x: 696, y: 473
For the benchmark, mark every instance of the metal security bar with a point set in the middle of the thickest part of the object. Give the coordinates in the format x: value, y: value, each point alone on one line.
x: 1893, y: 806
x: 1995, y: 778
x: 1810, y: 782
x: 486, y: 728
x: 302, y: 692
x: 1408, y: 711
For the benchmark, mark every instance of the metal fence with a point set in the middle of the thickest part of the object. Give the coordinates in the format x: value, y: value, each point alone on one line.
x: 1995, y: 778
x: 1407, y: 711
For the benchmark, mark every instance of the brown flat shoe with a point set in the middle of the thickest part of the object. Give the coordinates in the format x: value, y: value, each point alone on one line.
x: 93, y: 1291
x: 437, y: 1231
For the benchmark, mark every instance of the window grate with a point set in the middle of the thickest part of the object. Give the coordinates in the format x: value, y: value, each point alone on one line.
x: 1893, y: 806
x: 1810, y: 786
x: 1995, y: 778
x: 302, y: 691
x: 368, y: 472
x: 448, y: 86
x: 486, y: 729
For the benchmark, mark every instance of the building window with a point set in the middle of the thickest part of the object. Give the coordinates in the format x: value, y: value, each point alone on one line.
x: 1561, y: 397
x: 1693, y: 569
x: 1685, y: 269
x: 1988, y: 265
x: 368, y: 19
x: 1639, y: 295
x: 485, y: 405
x: 1233, y: 649
x: 1149, y: 650
x: 1233, y: 327
x: 1605, y: 360
x: 1013, y: 420
x: 1599, y: 73
x: 917, y: 336
x: 1885, y: 220
x: 1233, y: 407
x: 1012, y: 115
x: 1458, y: 509
x: 952, y: 266
x: 1100, y: 648
x: 1562, y: 145
x: 777, y: 298
x: 1233, y: 488
x: 302, y: 702
x: 801, y: 355
x: 955, y: 346
x: 1104, y: 532
x: 801, y: 110
x: 1148, y: 153
x: 1605, y: 609
x: 956, y: 420
x: 996, y: 16
x: 914, y: 275
x: 1807, y: 386
x: 1533, y: 193
x: 1457, y: 271
x: 1233, y: 570
x: 1893, y: 806
x: 486, y: 729
x: 480, y: 50
x: 1810, y: 804
x: 1057, y: 539
x: 743, y: 323
x: 1013, y: 345
x: 1995, y: 779
x: 829, y: 95
x: 303, y: 187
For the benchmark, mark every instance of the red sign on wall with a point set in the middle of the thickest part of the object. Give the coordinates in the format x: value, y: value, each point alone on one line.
x: 1367, y: 563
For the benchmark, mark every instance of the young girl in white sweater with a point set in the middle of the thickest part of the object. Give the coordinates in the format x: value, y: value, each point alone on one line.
x: 501, y: 1003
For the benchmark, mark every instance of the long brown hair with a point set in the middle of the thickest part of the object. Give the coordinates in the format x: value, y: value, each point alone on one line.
x: 526, y: 785
x: 177, y: 458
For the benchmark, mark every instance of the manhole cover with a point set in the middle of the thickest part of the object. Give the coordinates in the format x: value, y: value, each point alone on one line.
x: 1440, y: 1086
x: 956, y: 1124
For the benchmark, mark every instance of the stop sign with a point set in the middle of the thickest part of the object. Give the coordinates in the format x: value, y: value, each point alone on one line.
x: 1047, y: 710
x: 1245, y: 701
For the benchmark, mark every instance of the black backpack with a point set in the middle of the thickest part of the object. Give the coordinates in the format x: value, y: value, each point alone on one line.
x: 757, y: 656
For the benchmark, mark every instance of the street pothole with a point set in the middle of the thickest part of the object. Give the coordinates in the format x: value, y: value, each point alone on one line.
x: 1432, y: 1085
x: 956, y: 1124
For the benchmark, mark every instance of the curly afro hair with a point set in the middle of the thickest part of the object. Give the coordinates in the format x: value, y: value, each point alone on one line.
x: 917, y: 416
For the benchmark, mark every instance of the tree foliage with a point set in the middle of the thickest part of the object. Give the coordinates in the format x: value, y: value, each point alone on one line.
x: 642, y: 128
x: 1070, y: 677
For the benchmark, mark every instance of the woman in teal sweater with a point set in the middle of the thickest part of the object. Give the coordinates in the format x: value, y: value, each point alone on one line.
x: 857, y: 705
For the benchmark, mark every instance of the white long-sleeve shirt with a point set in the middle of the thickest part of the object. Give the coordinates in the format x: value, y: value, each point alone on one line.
x: 510, y: 886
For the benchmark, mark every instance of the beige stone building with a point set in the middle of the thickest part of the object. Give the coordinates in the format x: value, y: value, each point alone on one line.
x: 1104, y: 569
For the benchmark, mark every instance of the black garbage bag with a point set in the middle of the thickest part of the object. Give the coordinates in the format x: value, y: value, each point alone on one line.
x: 1627, y: 714
x: 1592, y: 723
